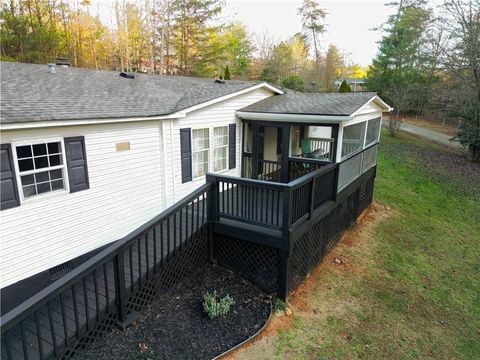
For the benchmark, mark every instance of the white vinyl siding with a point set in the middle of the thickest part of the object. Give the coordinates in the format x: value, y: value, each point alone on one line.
x: 126, y: 190
x: 220, y: 114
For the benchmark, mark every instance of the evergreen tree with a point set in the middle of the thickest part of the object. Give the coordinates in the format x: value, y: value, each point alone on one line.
x: 398, y: 71
x: 332, y: 68
x: 344, y: 87
x: 192, y: 32
x: 227, y: 73
x: 280, y: 65
x: 293, y: 82
x: 462, y: 64
x: 313, y: 18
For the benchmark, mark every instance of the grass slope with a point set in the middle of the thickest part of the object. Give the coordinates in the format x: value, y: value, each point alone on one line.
x: 412, y: 285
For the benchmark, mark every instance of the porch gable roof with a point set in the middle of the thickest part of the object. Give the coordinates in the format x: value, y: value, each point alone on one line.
x: 329, y: 106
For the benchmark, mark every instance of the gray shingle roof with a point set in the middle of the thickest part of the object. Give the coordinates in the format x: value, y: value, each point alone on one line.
x: 30, y: 93
x: 341, y: 104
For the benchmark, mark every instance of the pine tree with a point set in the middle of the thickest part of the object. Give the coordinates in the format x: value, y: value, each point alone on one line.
x: 344, y: 87
x: 398, y: 71
x: 294, y: 82
x: 227, y: 73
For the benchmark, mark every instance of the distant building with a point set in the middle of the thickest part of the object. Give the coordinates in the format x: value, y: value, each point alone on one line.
x: 357, y: 85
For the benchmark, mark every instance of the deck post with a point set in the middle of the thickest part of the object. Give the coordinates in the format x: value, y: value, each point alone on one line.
x: 120, y: 299
x: 212, y: 201
x: 283, y: 268
x: 312, y: 197
x: 124, y: 319
x: 283, y: 274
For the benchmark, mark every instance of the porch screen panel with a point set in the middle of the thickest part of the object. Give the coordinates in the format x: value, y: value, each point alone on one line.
x: 349, y: 171
x: 369, y: 158
x: 373, y: 131
x: 353, y: 136
x: 312, y: 142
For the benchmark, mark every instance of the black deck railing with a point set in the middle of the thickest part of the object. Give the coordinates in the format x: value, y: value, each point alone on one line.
x: 268, y: 170
x: 298, y: 167
x: 55, y: 318
x: 275, y: 205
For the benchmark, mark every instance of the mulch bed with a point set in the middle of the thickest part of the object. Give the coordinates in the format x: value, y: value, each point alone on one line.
x: 175, y: 326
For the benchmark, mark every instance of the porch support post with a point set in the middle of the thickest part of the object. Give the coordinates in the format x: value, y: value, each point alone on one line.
x: 338, y: 152
x: 285, y: 153
x: 255, y: 151
x: 242, y: 150
x: 335, y: 132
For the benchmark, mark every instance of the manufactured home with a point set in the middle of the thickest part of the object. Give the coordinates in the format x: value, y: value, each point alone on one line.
x: 111, y: 181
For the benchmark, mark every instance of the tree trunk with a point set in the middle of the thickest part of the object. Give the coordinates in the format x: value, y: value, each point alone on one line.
x: 473, y: 153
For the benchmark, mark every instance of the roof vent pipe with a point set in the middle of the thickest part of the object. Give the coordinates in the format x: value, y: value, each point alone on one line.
x: 52, y: 68
x: 127, y: 75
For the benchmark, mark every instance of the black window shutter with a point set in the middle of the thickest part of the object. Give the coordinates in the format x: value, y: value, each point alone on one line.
x: 9, y: 191
x: 232, y: 137
x: 76, y: 163
x: 186, y: 154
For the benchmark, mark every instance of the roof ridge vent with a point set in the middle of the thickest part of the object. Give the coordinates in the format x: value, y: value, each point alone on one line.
x: 127, y: 75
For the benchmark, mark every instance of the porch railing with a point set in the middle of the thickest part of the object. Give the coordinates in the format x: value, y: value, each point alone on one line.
x: 298, y: 167
x: 275, y: 205
x: 272, y: 170
x: 321, y: 149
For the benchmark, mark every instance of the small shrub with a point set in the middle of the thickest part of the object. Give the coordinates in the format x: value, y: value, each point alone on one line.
x: 279, y: 305
x: 344, y: 87
x: 227, y: 73
x: 214, y: 307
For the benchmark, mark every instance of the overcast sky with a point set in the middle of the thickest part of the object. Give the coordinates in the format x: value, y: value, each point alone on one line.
x: 349, y: 22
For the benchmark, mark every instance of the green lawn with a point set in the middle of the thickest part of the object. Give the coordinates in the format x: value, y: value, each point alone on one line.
x: 411, y: 289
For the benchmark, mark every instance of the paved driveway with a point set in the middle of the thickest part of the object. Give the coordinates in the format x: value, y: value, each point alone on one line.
x: 433, y: 136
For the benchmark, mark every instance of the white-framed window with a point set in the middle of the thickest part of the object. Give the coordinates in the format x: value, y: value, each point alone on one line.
x: 41, y: 167
x: 200, y: 152
x: 220, y: 148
